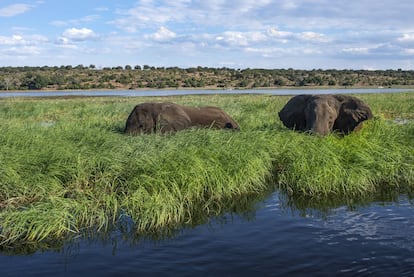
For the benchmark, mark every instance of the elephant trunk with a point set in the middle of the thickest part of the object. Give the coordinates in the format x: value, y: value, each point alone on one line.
x: 320, y: 119
x: 317, y: 128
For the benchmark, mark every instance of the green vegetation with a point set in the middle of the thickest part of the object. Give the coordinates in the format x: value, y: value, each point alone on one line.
x: 66, y: 168
x: 128, y: 77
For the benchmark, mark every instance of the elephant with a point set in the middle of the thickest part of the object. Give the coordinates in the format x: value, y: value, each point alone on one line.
x: 322, y: 114
x: 166, y: 117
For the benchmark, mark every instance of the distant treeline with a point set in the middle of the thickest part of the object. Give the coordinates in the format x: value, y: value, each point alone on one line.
x: 134, y: 77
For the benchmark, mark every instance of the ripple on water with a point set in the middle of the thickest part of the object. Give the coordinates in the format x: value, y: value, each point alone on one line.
x: 373, y: 240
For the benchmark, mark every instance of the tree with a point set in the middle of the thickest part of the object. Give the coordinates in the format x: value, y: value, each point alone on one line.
x: 7, y: 83
x: 34, y: 81
x: 331, y: 82
x: 279, y: 82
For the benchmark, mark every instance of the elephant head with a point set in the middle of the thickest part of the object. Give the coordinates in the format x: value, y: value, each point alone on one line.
x: 141, y: 119
x: 148, y: 118
x: 321, y: 114
x: 166, y: 117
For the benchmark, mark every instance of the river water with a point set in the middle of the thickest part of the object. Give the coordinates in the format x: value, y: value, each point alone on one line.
x: 131, y: 93
x: 279, y: 236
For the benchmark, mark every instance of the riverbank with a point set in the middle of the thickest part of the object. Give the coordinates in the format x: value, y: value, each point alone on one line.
x: 80, y: 77
x: 210, y: 88
x: 67, y: 168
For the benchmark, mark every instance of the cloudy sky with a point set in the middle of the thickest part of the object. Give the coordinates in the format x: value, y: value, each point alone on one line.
x: 300, y: 34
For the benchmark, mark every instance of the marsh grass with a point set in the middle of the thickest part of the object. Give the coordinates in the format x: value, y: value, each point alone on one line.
x: 66, y: 168
x: 353, y: 165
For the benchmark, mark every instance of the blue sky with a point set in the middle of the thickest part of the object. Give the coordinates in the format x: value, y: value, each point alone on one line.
x: 300, y: 34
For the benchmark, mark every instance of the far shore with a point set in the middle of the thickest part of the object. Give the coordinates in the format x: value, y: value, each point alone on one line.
x: 211, y: 88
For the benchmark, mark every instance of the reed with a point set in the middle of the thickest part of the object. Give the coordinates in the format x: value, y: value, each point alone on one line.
x: 67, y: 168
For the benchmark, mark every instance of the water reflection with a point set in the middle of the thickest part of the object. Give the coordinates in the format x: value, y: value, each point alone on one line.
x: 325, y: 206
x: 244, y: 207
x: 340, y: 213
x: 257, y: 235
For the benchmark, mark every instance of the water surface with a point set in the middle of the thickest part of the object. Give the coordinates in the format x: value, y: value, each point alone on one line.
x: 277, y: 238
x: 131, y: 93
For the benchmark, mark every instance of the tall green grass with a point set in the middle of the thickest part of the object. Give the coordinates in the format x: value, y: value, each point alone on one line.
x: 380, y: 156
x: 66, y: 167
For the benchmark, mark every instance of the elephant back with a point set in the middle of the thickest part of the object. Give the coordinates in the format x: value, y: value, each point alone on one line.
x: 210, y: 116
x: 172, y: 117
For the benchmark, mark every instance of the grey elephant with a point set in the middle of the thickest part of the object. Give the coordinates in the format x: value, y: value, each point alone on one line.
x: 322, y: 114
x: 167, y: 117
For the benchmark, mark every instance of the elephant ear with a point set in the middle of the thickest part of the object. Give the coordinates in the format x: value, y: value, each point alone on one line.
x: 293, y: 113
x: 172, y: 118
x: 352, y: 113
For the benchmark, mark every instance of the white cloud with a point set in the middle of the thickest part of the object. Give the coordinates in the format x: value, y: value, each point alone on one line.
x: 79, y: 21
x: 162, y: 35
x: 409, y: 52
x: 240, y: 38
x: 301, y: 32
x: 23, y: 51
x: 13, y: 40
x: 14, y: 9
x: 269, y: 36
x: 280, y: 36
x: 198, y: 13
x: 146, y: 14
x: 63, y: 42
x: 407, y: 37
x: 356, y: 50
x: 289, y: 5
x: 16, y: 40
x: 81, y: 34
x: 312, y: 36
x: 273, y: 32
x: 22, y: 47
x: 269, y: 52
x: 102, y: 9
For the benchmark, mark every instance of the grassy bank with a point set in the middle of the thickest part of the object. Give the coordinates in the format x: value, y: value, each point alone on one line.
x: 66, y: 167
